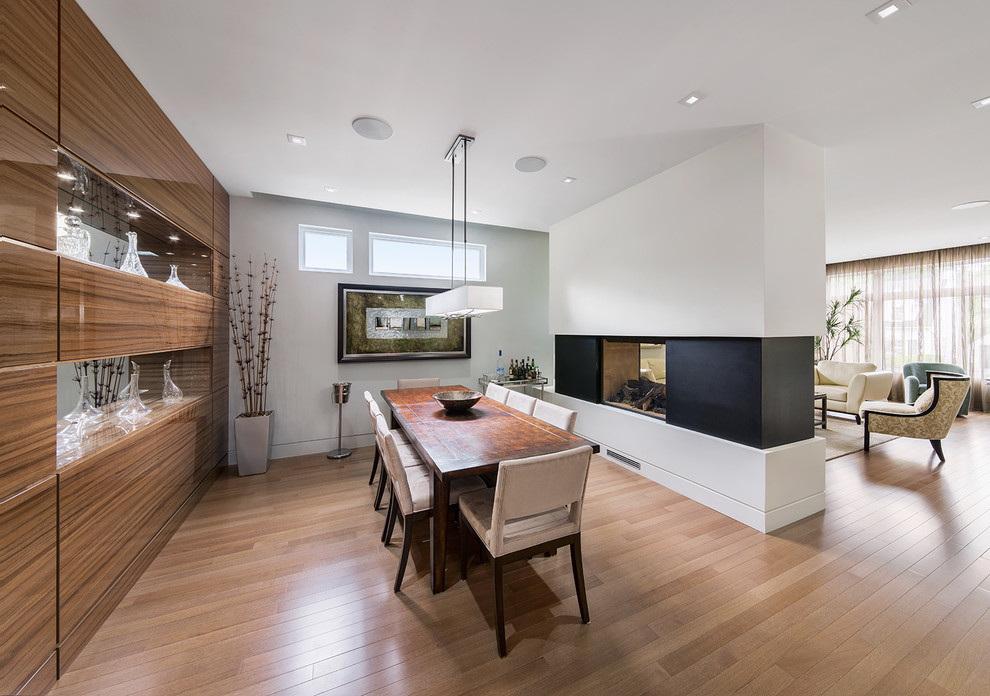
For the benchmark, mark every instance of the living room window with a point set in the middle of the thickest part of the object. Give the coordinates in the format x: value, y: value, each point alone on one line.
x: 419, y: 257
x: 325, y: 249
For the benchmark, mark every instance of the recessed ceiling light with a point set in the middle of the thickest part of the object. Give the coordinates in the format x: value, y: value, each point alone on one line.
x: 986, y: 236
x: 295, y: 139
x: 133, y: 214
x: 691, y: 99
x: 971, y: 204
x: 173, y: 237
x: 476, y: 212
x: 980, y: 103
x: 205, y: 256
x: 330, y: 189
x: 169, y: 253
x: 569, y: 179
x: 530, y: 164
x: 887, y: 9
x: 372, y: 128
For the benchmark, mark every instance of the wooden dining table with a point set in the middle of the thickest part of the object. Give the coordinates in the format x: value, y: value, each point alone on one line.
x: 472, y: 443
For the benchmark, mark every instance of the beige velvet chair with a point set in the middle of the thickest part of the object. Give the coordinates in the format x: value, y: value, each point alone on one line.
x: 930, y: 418
x: 520, y: 402
x: 496, y: 392
x: 563, y: 418
x: 847, y: 385
x: 420, y: 382
x: 535, y: 507
x: 412, y: 491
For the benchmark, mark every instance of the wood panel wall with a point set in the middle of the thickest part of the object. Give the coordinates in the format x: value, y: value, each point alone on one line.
x: 29, y: 56
x: 105, y: 312
x: 28, y: 599
x: 27, y: 411
x: 27, y: 179
x: 110, y: 121
x: 28, y: 305
x: 221, y: 219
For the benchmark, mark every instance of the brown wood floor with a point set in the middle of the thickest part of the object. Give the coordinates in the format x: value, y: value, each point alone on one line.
x: 278, y: 584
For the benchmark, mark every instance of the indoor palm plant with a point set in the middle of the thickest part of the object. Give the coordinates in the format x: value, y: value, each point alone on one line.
x: 842, y: 326
x: 251, y: 316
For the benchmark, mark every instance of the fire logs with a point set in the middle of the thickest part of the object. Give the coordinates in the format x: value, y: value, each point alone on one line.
x: 642, y: 394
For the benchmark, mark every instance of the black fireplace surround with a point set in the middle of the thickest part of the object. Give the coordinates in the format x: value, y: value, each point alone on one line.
x: 754, y: 391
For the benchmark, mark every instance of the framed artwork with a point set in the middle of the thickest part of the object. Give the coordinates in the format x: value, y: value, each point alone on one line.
x: 384, y: 322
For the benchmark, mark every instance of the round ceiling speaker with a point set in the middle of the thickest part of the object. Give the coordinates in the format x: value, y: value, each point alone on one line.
x: 530, y: 164
x: 372, y: 128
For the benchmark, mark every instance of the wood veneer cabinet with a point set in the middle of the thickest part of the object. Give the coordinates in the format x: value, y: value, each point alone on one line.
x: 27, y: 177
x: 110, y: 121
x: 27, y: 568
x: 27, y: 411
x: 221, y: 219
x: 29, y: 60
x: 28, y: 304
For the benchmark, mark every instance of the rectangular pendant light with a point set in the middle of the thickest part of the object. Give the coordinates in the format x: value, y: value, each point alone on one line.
x: 465, y: 301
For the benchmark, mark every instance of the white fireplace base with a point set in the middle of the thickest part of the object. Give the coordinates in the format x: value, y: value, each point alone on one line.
x: 765, y: 489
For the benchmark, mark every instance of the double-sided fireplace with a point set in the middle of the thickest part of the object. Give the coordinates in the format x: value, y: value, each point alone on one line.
x: 634, y: 375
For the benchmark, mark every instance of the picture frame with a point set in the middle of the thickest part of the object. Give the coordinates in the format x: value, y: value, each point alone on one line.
x: 385, y: 322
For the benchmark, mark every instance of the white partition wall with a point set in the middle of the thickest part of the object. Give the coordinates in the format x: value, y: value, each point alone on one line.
x: 729, y: 244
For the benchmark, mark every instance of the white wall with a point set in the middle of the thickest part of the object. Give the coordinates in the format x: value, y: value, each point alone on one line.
x: 304, y: 349
x: 728, y: 243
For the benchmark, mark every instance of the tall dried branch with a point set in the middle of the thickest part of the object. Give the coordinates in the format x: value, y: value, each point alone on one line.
x: 252, y: 334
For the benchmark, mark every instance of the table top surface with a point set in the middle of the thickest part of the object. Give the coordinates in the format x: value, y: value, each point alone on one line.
x: 473, y: 442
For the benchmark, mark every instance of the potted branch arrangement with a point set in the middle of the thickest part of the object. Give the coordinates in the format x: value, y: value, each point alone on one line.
x: 251, y: 318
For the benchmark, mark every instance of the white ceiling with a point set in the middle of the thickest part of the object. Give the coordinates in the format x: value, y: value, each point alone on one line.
x: 590, y: 85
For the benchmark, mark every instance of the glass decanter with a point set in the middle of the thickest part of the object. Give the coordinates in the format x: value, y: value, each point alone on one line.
x: 173, y: 278
x: 75, y: 241
x: 134, y: 409
x: 171, y: 394
x: 131, y: 262
x: 84, y: 409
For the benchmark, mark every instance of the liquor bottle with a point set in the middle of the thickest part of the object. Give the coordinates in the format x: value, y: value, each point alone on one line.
x: 500, y: 367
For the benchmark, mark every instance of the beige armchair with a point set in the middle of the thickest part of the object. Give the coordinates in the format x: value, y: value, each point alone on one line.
x: 847, y: 385
x: 930, y: 418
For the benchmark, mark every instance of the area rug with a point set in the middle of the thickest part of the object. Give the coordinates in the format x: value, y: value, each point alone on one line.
x: 844, y: 437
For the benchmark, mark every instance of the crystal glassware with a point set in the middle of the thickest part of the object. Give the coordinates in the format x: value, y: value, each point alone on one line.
x: 134, y: 409
x: 132, y: 262
x: 84, y: 409
x: 171, y: 394
x: 75, y: 241
x: 173, y: 278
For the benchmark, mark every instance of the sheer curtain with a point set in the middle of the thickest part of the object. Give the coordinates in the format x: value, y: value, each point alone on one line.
x: 932, y: 306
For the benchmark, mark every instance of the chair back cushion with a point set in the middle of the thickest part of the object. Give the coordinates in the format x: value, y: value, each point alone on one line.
x: 563, y: 418
x: 919, y: 369
x: 542, y: 495
x: 841, y: 373
x: 373, y: 409
x: 520, y: 402
x: 924, y: 401
x: 393, y: 463
x: 415, y: 383
x: 497, y: 392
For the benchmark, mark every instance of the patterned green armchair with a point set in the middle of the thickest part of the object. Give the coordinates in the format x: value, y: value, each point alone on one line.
x: 915, y: 381
x: 930, y: 418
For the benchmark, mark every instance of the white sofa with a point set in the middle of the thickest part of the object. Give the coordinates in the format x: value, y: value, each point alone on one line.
x: 847, y: 385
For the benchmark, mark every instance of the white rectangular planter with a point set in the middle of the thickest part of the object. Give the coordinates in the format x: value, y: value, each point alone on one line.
x: 253, y: 443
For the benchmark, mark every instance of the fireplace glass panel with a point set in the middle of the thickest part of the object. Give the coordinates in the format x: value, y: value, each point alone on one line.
x: 634, y: 376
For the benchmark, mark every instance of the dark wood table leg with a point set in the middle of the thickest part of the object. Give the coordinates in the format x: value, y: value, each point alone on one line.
x: 438, y: 534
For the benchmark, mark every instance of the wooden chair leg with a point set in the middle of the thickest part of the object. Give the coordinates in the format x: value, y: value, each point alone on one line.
x: 407, y: 535
x: 578, y: 568
x: 937, y: 446
x: 382, y: 481
x: 393, y: 511
x: 463, y: 530
x: 499, y: 607
x: 374, y: 468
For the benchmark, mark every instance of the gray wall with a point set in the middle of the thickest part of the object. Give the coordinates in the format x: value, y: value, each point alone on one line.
x: 304, y: 349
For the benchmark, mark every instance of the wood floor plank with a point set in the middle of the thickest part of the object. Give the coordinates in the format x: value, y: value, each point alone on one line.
x: 277, y: 584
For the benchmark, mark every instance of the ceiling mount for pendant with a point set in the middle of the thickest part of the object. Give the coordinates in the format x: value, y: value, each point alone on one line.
x: 465, y: 300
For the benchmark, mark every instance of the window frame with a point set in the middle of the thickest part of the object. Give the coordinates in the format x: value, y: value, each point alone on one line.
x: 426, y: 241
x: 305, y: 229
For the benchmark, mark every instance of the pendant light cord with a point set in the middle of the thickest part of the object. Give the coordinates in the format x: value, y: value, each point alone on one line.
x: 453, y: 197
x: 464, y: 145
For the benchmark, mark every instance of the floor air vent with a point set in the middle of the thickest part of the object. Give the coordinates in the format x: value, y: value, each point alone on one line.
x: 624, y: 459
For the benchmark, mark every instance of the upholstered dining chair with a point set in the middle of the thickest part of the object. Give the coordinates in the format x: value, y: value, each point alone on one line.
x: 520, y: 402
x: 374, y: 411
x: 412, y: 491
x: 563, y: 418
x: 930, y: 418
x: 535, y: 507
x: 420, y: 382
x: 496, y: 392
